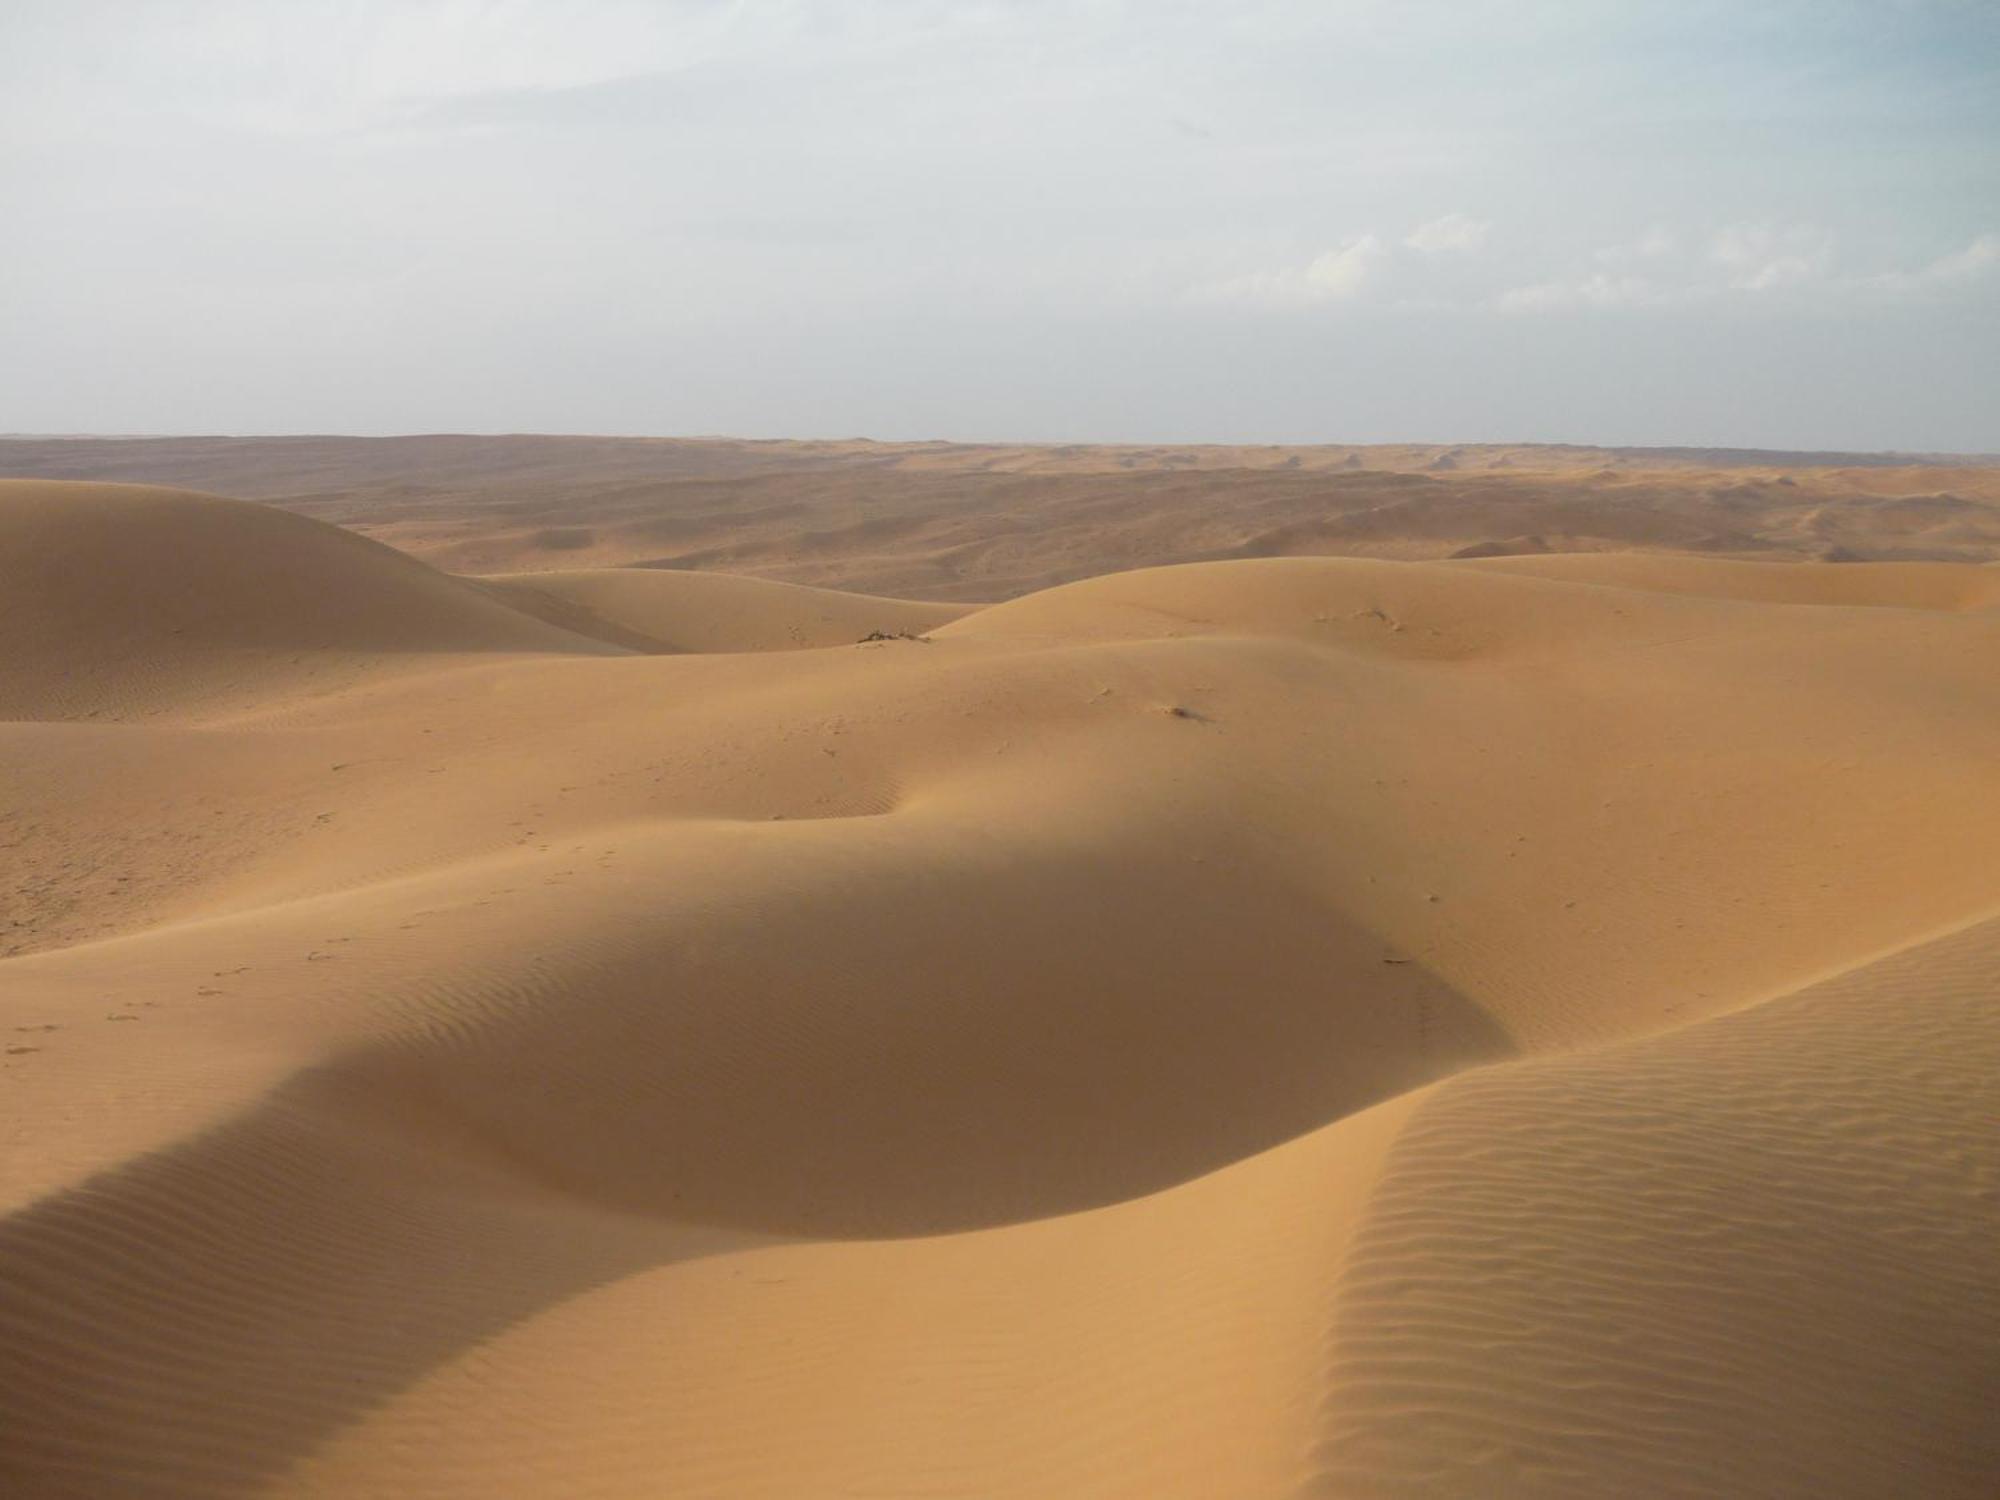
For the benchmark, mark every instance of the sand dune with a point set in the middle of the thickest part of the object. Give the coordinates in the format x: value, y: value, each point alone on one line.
x: 121, y: 598
x: 1257, y: 1027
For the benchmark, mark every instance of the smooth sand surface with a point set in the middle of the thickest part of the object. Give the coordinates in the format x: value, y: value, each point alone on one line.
x: 1336, y: 1027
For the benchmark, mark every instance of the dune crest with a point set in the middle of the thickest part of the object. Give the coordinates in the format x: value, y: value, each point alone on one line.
x: 1257, y: 1027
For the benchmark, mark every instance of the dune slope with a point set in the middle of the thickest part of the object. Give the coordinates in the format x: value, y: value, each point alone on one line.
x: 1264, y: 1028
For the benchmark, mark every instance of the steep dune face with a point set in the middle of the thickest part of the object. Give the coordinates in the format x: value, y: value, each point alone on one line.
x: 1260, y: 1028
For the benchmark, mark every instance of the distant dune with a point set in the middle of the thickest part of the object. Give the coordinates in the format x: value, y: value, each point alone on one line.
x: 976, y: 523
x: 1274, y: 1025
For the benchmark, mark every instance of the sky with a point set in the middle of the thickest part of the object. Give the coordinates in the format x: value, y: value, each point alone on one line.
x: 1708, y: 222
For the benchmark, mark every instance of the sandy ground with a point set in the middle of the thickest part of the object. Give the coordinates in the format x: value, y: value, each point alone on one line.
x: 1267, y: 1026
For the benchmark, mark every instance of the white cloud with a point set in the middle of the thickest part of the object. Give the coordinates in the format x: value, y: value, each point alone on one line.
x: 1343, y: 272
x: 1452, y: 234
x: 1966, y: 264
x: 1364, y: 263
x: 1977, y: 258
x: 1654, y: 245
x: 1599, y: 289
x: 1759, y: 259
x: 1337, y: 275
x: 1741, y: 261
x: 1432, y: 267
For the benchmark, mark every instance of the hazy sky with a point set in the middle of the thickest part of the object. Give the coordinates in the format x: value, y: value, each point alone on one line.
x: 1763, y: 222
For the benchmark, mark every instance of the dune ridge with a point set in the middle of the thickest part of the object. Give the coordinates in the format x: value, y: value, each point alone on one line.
x: 1290, y: 1026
